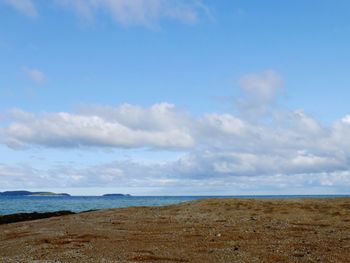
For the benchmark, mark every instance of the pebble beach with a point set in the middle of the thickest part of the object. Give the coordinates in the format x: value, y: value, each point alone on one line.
x: 209, y: 230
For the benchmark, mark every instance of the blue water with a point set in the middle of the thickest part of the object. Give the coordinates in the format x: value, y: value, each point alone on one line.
x: 25, y: 204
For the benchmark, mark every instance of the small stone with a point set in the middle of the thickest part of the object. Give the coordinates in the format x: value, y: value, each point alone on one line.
x: 298, y: 254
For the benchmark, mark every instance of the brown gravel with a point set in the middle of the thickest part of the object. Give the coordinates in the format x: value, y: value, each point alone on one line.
x: 211, y: 230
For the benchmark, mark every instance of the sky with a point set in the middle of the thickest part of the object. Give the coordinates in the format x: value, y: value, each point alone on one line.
x: 175, y: 97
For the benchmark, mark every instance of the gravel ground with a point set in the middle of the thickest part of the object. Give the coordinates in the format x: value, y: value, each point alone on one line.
x: 211, y: 230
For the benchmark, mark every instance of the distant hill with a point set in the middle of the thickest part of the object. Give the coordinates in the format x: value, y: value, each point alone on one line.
x: 116, y: 195
x: 28, y: 193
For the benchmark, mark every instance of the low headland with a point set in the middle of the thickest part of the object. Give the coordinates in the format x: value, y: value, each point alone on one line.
x: 116, y: 195
x: 208, y: 230
x: 28, y: 193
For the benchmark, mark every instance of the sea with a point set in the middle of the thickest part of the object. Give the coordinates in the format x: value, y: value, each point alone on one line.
x: 28, y: 204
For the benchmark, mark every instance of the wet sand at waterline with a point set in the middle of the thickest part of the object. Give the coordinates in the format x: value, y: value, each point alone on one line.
x: 211, y: 230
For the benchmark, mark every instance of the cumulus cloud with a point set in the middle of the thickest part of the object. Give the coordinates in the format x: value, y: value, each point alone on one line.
x: 261, y: 87
x: 26, y: 7
x: 218, y: 150
x: 214, y: 144
x: 126, y: 126
x: 260, y: 91
x: 35, y: 75
x: 158, y: 179
x: 138, y: 12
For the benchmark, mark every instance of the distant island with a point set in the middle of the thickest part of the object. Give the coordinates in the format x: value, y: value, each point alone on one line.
x: 28, y: 193
x: 116, y: 195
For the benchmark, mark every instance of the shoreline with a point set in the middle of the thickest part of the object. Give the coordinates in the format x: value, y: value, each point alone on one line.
x: 35, y: 215
x: 10, y: 204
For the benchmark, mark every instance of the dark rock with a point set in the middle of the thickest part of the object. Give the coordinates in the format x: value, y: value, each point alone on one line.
x: 13, y: 218
x: 298, y: 254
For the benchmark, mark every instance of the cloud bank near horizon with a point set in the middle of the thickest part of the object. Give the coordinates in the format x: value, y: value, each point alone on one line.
x: 263, y: 145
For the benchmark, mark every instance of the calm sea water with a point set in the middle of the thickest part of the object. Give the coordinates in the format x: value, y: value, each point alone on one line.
x: 25, y: 204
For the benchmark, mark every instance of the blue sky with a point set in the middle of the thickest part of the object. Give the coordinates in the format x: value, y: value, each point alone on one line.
x: 175, y: 97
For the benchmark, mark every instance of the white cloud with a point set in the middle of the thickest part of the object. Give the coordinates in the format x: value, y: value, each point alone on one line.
x: 219, y: 151
x: 225, y: 123
x: 155, y: 179
x: 216, y: 144
x: 26, y: 7
x: 138, y: 12
x: 263, y: 86
x: 259, y: 92
x: 346, y: 119
x: 126, y: 126
x: 35, y: 75
x: 146, y: 13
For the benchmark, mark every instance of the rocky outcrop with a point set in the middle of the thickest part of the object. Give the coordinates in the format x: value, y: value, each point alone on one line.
x: 6, y: 219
